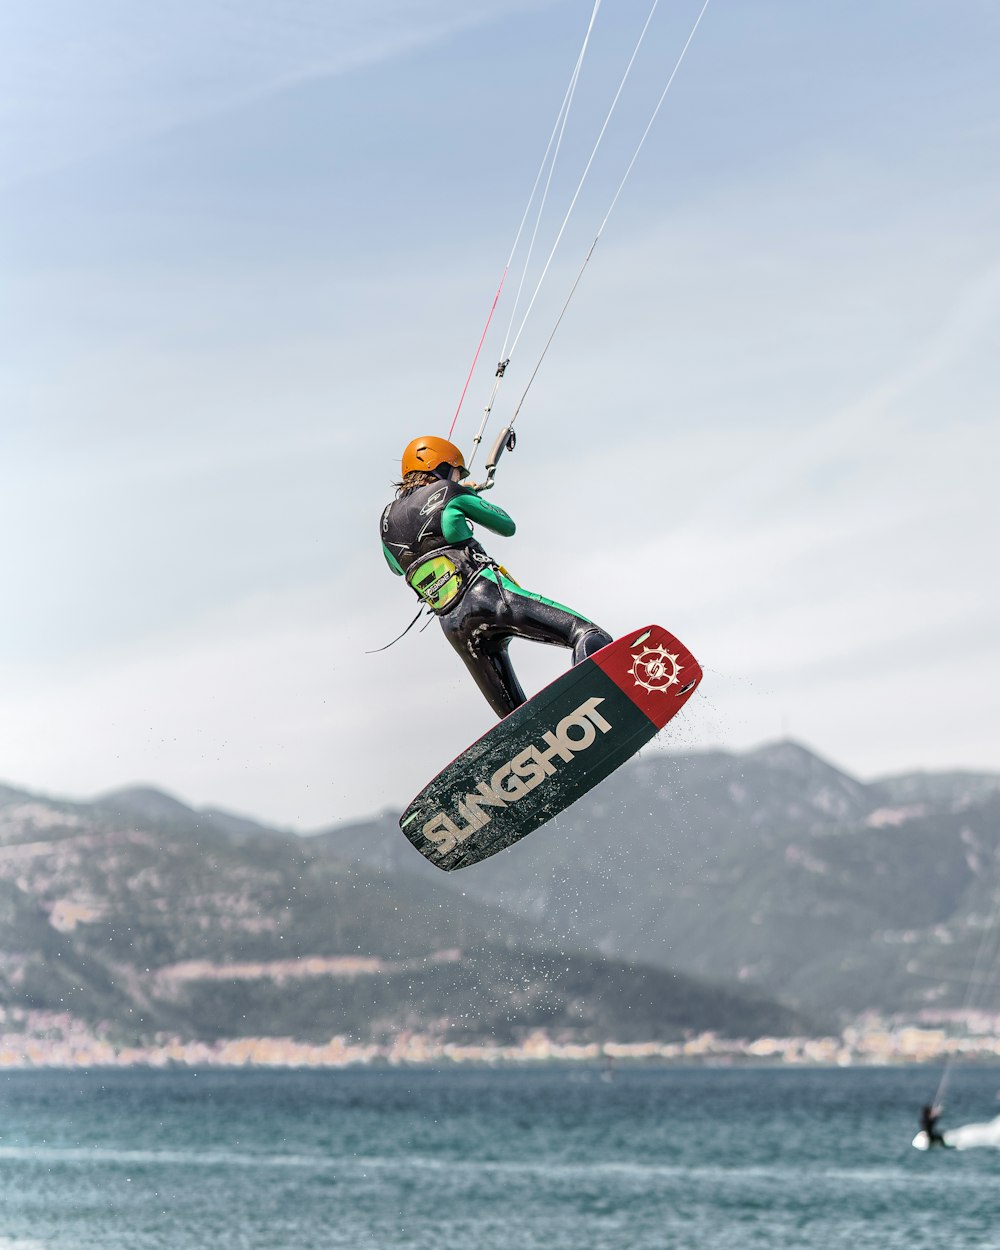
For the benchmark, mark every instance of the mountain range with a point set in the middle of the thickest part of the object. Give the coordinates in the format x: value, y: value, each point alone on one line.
x: 765, y: 892
x: 143, y: 919
x: 770, y: 867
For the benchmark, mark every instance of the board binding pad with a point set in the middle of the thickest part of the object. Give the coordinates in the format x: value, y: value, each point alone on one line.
x: 552, y: 750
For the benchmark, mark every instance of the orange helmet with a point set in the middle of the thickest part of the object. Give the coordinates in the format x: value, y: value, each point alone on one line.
x: 429, y: 453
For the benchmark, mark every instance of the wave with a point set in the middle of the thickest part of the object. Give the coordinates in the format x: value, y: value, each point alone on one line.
x: 973, y: 1136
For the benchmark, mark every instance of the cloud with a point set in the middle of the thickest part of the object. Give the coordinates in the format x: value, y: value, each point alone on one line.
x: 81, y: 81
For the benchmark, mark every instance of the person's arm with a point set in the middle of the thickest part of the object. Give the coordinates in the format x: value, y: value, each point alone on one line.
x: 462, y: 509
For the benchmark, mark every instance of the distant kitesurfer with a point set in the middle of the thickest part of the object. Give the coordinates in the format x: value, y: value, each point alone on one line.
x: 427, y: 538
x: 929, y: 1116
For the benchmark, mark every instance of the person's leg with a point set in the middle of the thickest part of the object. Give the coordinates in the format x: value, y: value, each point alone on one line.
x: 488, y: 662
x: 475, y: 630
x: 489, y: 615
x: 538, y: 619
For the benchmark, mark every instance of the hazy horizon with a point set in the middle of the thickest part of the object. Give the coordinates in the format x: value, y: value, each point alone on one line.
x: 150, y: 784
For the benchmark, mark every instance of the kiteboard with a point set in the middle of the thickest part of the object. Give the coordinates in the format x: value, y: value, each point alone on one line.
x: 552, y: 750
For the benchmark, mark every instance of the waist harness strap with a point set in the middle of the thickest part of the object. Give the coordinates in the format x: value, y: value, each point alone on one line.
x: 441, y: 577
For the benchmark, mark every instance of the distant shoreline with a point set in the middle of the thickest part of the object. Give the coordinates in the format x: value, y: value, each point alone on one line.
x: 65, y: 1044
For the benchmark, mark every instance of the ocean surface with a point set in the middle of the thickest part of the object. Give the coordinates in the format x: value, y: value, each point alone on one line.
x: 551, y: 1158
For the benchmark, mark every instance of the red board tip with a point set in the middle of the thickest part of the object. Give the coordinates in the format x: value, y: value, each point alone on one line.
x: 655, y: 670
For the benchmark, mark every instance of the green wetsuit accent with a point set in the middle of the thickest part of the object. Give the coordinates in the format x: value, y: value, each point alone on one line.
x: 427, y: 537
x: 512, y: 588
x: 458, y: 512
x: 455, y: 527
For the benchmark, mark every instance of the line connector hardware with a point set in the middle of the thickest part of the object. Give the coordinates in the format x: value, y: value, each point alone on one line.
x: 502, y: 367
x: 506, y: 441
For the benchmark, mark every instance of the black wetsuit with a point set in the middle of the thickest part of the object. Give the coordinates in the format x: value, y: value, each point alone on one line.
x: 929, y: 1117
x: 427, y: 538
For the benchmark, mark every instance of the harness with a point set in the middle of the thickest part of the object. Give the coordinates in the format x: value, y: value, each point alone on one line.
x: 441, y: 577
x: 438, y: 572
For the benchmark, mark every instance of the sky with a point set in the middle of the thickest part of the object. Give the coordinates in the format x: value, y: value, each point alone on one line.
x: 246, y: 253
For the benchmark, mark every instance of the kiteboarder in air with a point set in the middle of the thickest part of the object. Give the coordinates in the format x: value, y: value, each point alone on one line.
x: 427, y: 538
x: 929, y: 1116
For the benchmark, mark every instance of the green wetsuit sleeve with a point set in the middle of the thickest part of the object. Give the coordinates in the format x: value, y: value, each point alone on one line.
x: 392, y: 562
x: 462, y: 509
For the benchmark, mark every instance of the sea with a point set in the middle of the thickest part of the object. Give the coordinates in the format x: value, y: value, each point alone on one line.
x: 533, y: 1158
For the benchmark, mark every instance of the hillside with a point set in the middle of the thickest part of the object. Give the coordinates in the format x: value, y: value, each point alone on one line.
x: 771, y: 867
x: 687, y: 893
x: 141, y: 917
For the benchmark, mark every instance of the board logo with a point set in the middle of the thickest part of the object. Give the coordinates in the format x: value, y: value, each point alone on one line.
x: 519, y: 776
x: 654, y: 668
